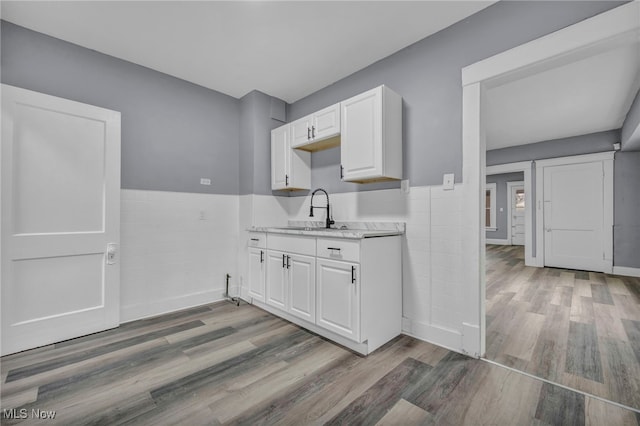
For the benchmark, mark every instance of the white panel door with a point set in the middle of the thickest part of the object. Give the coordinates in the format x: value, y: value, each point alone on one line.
x: 60, y: 219
x: 516, y: 211
x: 573, y: 216
x: 302, y: 286
x: 339, y: 297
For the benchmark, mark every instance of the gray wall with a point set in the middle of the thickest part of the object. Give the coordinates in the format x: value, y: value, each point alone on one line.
x: 427, y: 75
x: 626, y: 228
x: 631, y: 127
x: 502, y: 201
x: 576, y: 145
x: 173, y: 132
x: 259, y: 113
x: 626, y: 181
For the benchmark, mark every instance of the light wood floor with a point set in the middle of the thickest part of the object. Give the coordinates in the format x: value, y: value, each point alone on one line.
x: 222, y: 364
x: 580, y: 329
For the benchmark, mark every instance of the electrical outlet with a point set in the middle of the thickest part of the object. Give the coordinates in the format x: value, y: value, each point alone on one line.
x: 205, y: 181
x: 202, y: 215
x: 447, y: 181
x: 404, y: 186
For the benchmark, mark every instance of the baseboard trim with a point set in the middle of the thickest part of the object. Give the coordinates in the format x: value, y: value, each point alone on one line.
x: 165, y: 306
x: 626, y: 271
x: 361, y: 348
x: 447, y: 338
x: 498, y: 242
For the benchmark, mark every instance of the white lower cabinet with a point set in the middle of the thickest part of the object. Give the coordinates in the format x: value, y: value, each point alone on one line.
x: 339, y: 297
x: 291, y: 283
x: 276, y: 279
x: 302, y: 286
x: 257, y: 273
x: 349, y: 291
x: 257, y: 247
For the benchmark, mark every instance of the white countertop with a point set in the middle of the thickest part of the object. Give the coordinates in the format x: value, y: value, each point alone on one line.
x: 350, y: 230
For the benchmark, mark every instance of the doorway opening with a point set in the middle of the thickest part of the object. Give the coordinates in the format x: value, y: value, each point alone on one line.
x: 604, y: 363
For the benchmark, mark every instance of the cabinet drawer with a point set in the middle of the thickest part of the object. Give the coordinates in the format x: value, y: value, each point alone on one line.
x: 257, y: 239
x: 291, y: 244
x: 339, y: 249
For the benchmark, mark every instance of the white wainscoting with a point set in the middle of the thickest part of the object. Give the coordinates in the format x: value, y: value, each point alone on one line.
x: 176, y: 249
x: 626, y: 271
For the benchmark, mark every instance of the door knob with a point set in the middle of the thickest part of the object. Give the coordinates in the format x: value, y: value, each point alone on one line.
x: 112, y: 250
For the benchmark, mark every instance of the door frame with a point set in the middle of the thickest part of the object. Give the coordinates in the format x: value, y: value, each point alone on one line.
x: 599, y: 33
x: 607, y: 159
x: 525, y: 167
x: 510, y: 186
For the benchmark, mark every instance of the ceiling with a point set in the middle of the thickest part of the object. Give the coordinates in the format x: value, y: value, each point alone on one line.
x: 285, y: 49
x: 585, y: 96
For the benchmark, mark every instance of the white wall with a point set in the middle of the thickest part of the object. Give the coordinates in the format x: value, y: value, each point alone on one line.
x: 175, y: 250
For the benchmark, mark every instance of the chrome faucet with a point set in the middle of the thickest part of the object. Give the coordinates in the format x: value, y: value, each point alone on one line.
x: 329, y: 220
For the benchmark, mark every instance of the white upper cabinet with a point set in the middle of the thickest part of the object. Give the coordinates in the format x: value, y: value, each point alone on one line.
x: 371, y: 136
x: 326, y: 123
x: 290, y: 169
x: 368, y: 128
x: 320, y: 130
x: 301, y: 131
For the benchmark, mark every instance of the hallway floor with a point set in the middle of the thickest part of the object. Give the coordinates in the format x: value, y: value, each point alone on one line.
x: 576, y: 328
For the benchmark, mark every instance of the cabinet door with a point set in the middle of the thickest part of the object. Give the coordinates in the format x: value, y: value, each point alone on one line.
x: 301, y: 132
x: 361, y: 146
x: 338, y: 293
x: 276, y: 283
x: 326, y: 123
x: 302, y: 287
x: 280, y: 158
x: 257, y: 273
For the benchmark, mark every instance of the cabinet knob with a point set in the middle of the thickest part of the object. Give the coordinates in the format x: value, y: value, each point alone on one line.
x: 313, y: 132
x: 353, y: 274
x: 308, y: 133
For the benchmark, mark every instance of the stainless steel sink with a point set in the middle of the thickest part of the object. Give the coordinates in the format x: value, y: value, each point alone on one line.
x: 294, y: 228
x: 308, y: 228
